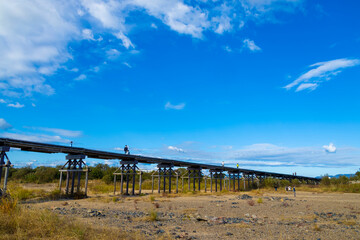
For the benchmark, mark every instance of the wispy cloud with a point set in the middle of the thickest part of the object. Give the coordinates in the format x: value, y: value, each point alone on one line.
x: 179, y: 106
x: 4, y: 125
x: 16, y: 105
x: 176, y: 149
x: 250, y: 44
x: 320, y: 72
x: 35, y: 137
x: 80, y: 77
x: 59, y: 131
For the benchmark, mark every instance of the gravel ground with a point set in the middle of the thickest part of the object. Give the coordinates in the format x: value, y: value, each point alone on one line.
x: 231, y: 216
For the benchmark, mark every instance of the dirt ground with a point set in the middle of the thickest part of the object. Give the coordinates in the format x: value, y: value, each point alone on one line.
x: 242, y: 215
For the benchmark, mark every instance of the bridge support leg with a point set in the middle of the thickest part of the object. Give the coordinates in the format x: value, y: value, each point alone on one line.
x: 238, y: 178
x: 211, y: 181
x: 127, y: 169
x: 166, y: 170
x: 74, y: 167
x: 7, y: 165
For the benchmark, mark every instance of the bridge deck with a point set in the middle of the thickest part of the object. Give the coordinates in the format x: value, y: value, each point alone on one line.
x: 53, y: 148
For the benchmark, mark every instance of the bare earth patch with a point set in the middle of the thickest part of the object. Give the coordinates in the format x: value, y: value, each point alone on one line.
x: 227, y: 216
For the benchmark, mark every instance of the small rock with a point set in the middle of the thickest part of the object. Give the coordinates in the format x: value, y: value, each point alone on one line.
x: 229, y: 234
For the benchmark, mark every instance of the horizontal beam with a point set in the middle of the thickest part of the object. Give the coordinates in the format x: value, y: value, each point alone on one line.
x: 52, y: 148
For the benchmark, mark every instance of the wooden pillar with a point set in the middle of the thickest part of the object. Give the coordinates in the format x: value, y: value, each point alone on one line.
x: 122, y: 181
x: 238, y: 176
x: 170, y: 170
x: 79, y: 177
x: 233, y: 181
x: 194, y: 175
x: 205, y: 182
x: 60, y: 180
x: 152, y: 183
x: 164, y: 175
x: 177, y: 183
x: 199, y: 180
x: 216, y: 176
x: 127, y: 180
x: 86, y: 181
x: 133, y: 179
x: 244, y: 176
x: 159, y: 180
x: 140, y: 182
x: 211, y: 181
x: 189, y: 179
x: 114, y: 184
x: 221, y: 178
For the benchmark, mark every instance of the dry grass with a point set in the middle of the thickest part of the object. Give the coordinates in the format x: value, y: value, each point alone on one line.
x: 316, y: 228
x: 21, y: 223
x: 259, y: 200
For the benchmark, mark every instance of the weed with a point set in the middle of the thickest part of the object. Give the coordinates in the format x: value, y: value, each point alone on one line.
x: 153, y: 216
x: 316, y: 228
x: 152, y: 198
x: 251, y: 202
x: 259, y: 200
x: 157, y: 205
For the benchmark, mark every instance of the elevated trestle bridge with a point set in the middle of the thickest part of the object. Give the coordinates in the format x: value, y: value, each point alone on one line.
x: 227, y: 177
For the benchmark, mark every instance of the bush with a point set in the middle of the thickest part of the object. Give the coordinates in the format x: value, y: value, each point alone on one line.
x: 108, y: 178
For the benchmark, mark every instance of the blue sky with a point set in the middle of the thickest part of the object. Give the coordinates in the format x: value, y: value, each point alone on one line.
x: 269, y: 84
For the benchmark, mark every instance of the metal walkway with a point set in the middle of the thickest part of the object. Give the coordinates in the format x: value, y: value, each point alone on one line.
x: 52, y: 148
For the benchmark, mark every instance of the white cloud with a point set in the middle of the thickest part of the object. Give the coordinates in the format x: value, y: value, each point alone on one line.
x: 35, y: 35
x: 322, y: 71
x: 153, y: 25
x: 228, y: 49
x: 127, y: 64
x: 4, y: 125
x: 16, y: 105
x: 112, y: 53
x: 61, y: 132
x: 33, y: 104
x: 172, y: 148
x: 35, y: 137
x: 88, y: 34
x: 310, y: 86
x: 250, y: 44
x: 2, y: 101
x: 80, y: 77
x: 180, y: 106
x: 33, y: 39
x: 330, y: 148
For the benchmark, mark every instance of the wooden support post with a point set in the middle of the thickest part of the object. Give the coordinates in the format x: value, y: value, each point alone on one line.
x: 127, y: 181
x: 133, y: 180
x: 122, y: 181
x: 67, y: 181
x: 189, y: 180
x: 140, y: 182
x: 248, y: 180
x: 86, y: 181
x: 238, y: 176
x: 60, y: 180
x: 79, y: 177
x: 199, y: 180
x: 221, y: 178
x: 211, y: 180
x: 177, y: 183
x: 170, y: 170
x: 216, y: 177
x: 194, y: 174
x: 164, y: 174
x: 182, y: 183
x: 6, y: 176
x: 234, y: 182
x: 72, y: 182
x: 205, y: 182
x: 159, y: 180
x: 244, y: 182
x: 114, y: 184
x: 152, y: 183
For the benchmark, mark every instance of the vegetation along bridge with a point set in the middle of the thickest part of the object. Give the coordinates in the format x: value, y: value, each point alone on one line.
x: 75, y: 165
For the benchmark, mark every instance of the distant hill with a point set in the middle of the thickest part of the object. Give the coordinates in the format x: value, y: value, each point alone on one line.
x: 338, y: 175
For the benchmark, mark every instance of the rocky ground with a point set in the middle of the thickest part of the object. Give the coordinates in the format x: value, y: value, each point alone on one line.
x: 250, y: 215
